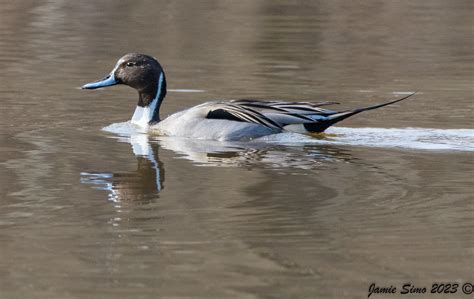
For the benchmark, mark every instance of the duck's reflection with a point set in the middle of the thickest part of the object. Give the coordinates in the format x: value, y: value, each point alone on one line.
x: 146, y: 182
x: 258, y: 154
x: 143, y: 184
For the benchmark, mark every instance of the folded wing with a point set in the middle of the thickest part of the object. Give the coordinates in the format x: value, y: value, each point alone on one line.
x: 301, y: 117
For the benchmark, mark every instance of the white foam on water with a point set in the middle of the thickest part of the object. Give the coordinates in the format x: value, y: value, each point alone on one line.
x: 402, y: 138
x: 124, y: 129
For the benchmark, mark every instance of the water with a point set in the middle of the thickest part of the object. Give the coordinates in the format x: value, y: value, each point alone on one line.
x: 89, y: 207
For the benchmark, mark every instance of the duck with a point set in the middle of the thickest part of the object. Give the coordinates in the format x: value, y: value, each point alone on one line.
x: 224, y: 120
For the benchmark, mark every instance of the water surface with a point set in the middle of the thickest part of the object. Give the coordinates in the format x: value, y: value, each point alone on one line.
x: 385, y: 197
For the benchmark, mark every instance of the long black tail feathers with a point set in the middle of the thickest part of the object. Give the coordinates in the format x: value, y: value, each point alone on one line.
x: 320, y: 126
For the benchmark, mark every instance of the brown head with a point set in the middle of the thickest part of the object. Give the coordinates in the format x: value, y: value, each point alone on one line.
x: 141, y: 72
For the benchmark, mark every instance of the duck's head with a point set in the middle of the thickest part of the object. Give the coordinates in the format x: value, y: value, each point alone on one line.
x: 141, y: 72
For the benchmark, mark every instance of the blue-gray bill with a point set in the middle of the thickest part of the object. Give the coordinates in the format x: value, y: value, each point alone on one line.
x: 109, y: 80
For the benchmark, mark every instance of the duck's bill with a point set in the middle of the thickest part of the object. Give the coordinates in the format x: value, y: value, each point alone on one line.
x: 109, y: 80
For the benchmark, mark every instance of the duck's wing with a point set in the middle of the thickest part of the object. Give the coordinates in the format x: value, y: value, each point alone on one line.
x: 236, y: 112
x: 292, y: 116
x: 289, y: 113
x: 285, y: 106
x: 272, y: 114
x: 305, y: 116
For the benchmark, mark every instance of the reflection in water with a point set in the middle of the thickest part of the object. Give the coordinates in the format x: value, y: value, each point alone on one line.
x: 280, y: 151
x: 252, y: 154
x: 147, y: 181
x: 141, y: 185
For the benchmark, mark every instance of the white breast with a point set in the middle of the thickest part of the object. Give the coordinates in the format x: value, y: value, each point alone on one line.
x: 143, y: 115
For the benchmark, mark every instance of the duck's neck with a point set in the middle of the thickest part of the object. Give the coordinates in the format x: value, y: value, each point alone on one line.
x: 147, y: 111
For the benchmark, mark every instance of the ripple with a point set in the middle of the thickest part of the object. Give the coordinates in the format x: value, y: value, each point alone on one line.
x: 401, y: 138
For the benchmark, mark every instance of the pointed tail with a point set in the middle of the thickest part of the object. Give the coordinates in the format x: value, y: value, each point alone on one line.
x: 322, y: 125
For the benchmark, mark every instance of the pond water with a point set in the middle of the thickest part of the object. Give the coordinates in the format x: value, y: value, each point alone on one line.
x: 91, y: 208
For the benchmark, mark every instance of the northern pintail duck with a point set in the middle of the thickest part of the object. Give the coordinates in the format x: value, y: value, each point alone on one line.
x: 219, y: 120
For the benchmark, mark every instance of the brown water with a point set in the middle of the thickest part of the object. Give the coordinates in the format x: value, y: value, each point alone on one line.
x: 91, y: 214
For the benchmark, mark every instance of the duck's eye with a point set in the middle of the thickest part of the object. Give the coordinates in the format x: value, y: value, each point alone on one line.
x: 130, y: 64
